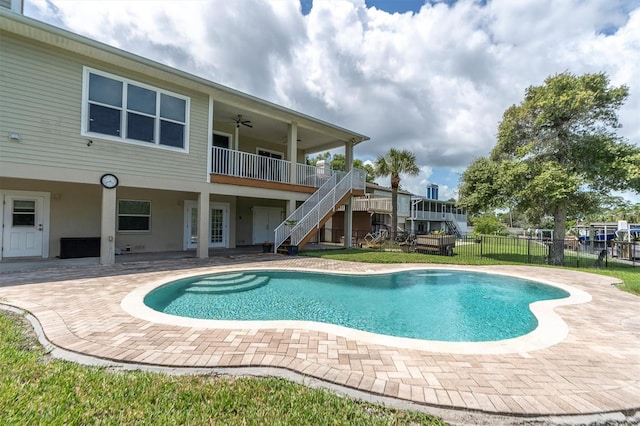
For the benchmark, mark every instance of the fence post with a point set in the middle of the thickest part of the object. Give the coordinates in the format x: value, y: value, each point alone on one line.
x: 481, y: 239
x: 529, y: 249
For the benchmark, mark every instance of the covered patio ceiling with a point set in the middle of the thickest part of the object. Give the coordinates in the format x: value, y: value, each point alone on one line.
x: 270, y: 122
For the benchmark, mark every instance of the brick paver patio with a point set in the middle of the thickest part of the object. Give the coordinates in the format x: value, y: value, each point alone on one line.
x: 595, y: 369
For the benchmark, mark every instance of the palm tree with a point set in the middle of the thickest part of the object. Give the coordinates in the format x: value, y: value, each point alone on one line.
x: 393, y: 164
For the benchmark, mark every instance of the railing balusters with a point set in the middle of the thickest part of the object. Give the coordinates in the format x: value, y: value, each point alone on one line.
x: 246, y: 165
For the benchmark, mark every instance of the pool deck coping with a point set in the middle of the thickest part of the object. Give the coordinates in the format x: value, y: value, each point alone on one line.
x: 594, y: 369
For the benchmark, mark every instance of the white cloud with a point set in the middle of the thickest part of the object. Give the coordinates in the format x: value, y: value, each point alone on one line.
x: 414, y: 184
x: 435, y: 82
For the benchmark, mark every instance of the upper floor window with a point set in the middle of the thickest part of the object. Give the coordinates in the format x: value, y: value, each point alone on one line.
x: 403, y: 204
x: 122, y: 109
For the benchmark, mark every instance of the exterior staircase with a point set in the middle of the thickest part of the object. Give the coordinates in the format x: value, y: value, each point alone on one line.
x: 453, y: 229
x: 300, y: 226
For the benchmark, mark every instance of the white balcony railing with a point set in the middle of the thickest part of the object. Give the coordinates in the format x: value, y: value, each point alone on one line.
x: 439, y: 216
x: 312, y: 176
x: 246, y: 165
x: 370, y: 204
x: 243, y: 164
x: 384, y: 205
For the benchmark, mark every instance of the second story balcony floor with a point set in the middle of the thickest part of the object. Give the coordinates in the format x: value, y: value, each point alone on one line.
x: 247, y: 169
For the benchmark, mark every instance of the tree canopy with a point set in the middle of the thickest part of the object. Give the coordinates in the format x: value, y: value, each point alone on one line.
x: 337, y: 162
x: 488, y: 224
x: 394, y: 164
x: 557, y: 154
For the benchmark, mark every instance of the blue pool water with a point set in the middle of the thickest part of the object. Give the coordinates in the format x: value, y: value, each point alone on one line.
x: 443, y: 305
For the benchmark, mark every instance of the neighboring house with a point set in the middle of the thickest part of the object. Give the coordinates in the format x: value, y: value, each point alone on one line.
x: 436, y: 216
x: 416, y: 214
x: 105, y: 151
x: 371, y: 213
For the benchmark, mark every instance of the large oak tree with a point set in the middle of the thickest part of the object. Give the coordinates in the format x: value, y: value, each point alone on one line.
x: 557, y: 154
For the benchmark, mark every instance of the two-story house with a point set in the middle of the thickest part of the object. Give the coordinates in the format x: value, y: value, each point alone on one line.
x: 103, y: 151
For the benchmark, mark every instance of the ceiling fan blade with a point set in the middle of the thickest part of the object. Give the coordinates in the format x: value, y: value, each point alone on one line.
x: 247, y: 123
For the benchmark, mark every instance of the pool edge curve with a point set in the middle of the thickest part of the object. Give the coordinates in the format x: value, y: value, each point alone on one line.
x: 551, y: 329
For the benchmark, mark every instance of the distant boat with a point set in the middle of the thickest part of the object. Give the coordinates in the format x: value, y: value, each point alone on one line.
x: 597, y: 237
x: 631, y: 234
x: 584, y: 232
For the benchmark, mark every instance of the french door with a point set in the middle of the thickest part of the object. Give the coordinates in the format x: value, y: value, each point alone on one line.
x: 218, y: 224
x: 219, y: 217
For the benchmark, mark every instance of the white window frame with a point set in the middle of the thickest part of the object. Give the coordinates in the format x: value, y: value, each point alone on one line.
x: 132, y: 231
x: 403, y: 204
x: 84, y: 128
x: 228, y: 135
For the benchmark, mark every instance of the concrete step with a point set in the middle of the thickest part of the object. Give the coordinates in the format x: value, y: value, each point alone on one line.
x: 224, y: 280
x: 283, y: 249
x: 256, y: 282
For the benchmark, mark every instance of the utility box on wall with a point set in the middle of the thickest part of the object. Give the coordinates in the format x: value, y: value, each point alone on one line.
x: 79, y: 247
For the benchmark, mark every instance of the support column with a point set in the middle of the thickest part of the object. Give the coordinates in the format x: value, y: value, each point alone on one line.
x: 292, y: 144
x: 108, y: 227
x: 348, y: 155
x: 348, y: 224
x: 348, y: 212
x: 291, y: 206
x: 203, y: 225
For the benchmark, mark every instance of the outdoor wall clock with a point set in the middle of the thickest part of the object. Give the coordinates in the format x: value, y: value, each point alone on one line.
x: 109, y: 180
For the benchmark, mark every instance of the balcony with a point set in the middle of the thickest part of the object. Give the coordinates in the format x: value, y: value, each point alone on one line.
x: 383, y: 205
x: 246, y: 169
x: 370, y: 204
x: 439, y: 216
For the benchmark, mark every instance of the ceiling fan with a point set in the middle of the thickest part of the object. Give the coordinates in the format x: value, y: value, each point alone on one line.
x: 240, y: 121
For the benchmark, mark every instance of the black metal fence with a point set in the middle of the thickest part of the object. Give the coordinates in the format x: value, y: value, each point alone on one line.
x: 575, y: 253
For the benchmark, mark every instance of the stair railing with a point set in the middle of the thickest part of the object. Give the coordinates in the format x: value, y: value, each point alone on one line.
x: 307, y: 217
x: 453, y: 228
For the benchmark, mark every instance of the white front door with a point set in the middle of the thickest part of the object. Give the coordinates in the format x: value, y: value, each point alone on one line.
x: 24, y: 223
x: 218, y: 221
x: 265, y: 221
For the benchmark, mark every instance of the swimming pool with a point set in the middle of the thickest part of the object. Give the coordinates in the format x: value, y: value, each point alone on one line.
x: 442, y: 305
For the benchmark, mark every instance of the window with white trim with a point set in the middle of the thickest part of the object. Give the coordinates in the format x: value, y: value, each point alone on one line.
x: 121, y: 109
x: 134, y: 216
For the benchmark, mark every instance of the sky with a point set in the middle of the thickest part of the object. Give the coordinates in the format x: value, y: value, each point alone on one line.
x: 433, y: 77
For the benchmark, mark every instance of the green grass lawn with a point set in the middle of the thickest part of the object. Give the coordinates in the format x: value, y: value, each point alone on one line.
x: 628, y: 275
x: 36, y: 389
